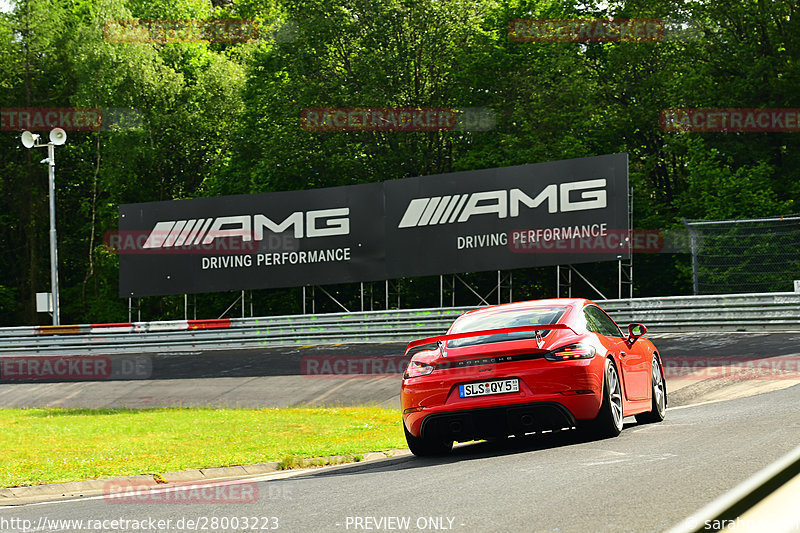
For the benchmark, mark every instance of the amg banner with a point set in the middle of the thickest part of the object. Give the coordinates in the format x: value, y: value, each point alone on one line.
x: 562, y: 212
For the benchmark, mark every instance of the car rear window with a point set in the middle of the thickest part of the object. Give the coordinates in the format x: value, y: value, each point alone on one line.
x: 512, y: 318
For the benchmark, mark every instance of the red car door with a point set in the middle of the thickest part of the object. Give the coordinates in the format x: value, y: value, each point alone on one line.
x: 635, y: 370
x: 634, y: 363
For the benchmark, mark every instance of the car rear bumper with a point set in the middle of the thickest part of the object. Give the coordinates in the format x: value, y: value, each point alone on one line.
x: 556, y: 393
x: 487, y: 422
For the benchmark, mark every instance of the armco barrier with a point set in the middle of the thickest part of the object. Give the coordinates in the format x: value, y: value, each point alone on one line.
x: 378, y: 326
x: 732, y: 312
x: 738, y: 312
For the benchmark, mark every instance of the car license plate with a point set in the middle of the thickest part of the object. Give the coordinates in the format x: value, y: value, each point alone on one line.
x: 502, y: 386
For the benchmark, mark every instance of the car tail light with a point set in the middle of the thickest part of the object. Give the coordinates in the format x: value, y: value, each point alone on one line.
x: 570, y: 352
x: 416, y: 369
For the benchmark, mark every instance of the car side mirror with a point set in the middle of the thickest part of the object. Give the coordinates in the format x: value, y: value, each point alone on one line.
x: 635, y: 331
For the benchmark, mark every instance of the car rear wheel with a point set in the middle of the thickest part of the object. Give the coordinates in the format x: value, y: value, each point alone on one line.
x: 608, y: 422
x: 659, y: 396
x: 422, y: 447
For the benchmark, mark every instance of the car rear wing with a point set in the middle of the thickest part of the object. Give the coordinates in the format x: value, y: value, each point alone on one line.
x: 482, y: 333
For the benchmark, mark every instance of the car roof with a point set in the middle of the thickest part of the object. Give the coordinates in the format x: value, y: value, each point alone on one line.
x: 533, y: 304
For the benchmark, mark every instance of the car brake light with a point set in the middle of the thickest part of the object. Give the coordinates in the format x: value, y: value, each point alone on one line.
x: 570, y: 352
x: 416, y: 369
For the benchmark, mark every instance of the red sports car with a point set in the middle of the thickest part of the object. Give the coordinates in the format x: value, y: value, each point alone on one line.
x: 529, y: 367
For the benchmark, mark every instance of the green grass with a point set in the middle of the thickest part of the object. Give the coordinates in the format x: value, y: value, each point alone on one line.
x: 55, y: 445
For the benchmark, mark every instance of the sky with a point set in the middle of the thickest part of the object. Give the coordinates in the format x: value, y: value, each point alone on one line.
x: 5, y: 5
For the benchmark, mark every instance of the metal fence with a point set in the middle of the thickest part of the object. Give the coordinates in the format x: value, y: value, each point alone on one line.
x: 737, y: 312
x: 749, y: 255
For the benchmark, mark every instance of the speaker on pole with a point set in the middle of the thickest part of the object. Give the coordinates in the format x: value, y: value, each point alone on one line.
x: 58, y: 136
x: 29, y: 139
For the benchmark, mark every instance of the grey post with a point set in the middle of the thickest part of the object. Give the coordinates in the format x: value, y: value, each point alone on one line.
x: 31, y: 140
x: 51, y: 156
x: 693, y: 240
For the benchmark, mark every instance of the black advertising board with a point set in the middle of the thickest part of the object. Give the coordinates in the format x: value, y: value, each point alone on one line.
x: 280, y: 239
x: 562, y: 212
x: 488, y: 219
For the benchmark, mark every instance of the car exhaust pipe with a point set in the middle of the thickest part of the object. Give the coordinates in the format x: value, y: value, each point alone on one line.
x: 455, y: 426
x: 526, y: 420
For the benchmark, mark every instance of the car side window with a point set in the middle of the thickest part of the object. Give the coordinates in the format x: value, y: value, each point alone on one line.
x: 599, y: 322
x: 591, y: 323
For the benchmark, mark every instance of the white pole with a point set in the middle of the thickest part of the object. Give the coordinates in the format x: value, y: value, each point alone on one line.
x: 51, y: 156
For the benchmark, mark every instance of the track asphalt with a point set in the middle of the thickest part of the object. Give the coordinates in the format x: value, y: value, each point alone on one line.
x: 701, y: 367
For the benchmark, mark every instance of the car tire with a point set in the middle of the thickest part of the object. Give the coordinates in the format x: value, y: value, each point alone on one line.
x: 608, y: 422
x: 658, y: 396
x: 422, y: 447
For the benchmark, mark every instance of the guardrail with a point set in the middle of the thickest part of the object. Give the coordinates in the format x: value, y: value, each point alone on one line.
x: 738, y: 312
x: 778, y: 311
x: 377, y: 326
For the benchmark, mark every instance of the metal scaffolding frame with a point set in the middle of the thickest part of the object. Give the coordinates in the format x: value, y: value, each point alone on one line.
x: 504, y: 281
x: 624, y: 267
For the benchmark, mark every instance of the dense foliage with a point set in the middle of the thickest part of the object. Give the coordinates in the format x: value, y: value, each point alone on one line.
x: 223, y: 118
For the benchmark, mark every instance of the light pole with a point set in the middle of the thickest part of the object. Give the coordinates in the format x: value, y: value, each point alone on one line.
x: 31, y: 140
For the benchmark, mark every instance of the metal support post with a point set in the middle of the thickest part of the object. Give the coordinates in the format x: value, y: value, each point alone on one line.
x: 51, y: 156
x: 558, y: 281
x: 693, y: 241
x: 564, y: 280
